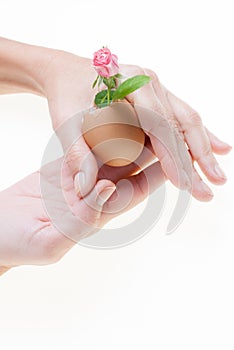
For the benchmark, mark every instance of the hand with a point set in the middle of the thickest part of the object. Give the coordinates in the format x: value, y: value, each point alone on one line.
x: 179, y: 125
x: 170, y: 124
x: 30, y: 236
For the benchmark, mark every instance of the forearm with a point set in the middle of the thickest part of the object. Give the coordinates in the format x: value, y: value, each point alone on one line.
x: 23, y: 66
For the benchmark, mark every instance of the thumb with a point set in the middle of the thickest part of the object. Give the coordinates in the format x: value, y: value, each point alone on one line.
x: 91, y: 207
x: 100, y: 194
x: 77, y: 154
x: 83, y: 166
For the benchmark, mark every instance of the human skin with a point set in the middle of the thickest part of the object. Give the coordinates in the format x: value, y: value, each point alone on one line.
x: 65, y: 80
x: 28, y: 234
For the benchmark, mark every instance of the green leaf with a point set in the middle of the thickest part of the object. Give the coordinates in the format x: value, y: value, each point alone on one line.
x: 95, y: 82
x: 130, y: 85
x: 101, y: 99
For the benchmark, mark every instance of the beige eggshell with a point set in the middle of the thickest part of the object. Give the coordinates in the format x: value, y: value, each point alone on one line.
x: 114, y: 134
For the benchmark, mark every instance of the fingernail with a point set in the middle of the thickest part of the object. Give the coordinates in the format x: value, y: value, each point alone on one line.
x: 206, y: 189
x: 79, y: 182
x: 219, y: 172
x: 105, y: 195
x: 225, y: 144
x: 228, y: 146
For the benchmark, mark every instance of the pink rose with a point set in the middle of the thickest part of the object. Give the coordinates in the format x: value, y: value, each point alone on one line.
x: 105, y: 63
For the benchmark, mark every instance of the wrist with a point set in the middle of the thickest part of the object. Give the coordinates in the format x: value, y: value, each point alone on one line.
x: 61, y: 67
x: 23, y: 66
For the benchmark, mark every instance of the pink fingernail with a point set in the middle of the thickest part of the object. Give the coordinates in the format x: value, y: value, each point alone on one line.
x: 79, y: 182
x: 105, y: 195
x: 206, y: 189
x: 219, y: 172
x: 224, y: 144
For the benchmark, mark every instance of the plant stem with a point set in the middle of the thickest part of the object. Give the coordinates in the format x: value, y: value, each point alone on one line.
x: 108, y: 95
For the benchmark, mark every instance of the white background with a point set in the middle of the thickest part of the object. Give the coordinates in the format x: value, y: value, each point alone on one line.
x: 162, y: 292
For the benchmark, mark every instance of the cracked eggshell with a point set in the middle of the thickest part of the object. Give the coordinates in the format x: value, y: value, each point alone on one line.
x: 113, y: 133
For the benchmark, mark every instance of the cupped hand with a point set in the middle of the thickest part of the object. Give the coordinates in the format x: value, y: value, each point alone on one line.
x: 42, y: 217
x: 177, y: 134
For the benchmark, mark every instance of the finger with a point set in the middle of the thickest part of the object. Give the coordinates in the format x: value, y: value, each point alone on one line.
x: 116, y: 173
x: 83, y: 218
x: 170, y: 115
x: 89, y: 210
x: 197, y: 139
x: 130, y: 192
x: 83, y: 166
x: 90, y: 207
x: 73, y: 217
x: 164, y: 137
x: 78, y: 156
x: 218, y: 146
x: 200, y: 190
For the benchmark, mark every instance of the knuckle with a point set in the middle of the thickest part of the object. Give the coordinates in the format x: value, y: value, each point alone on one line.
x: 175, y: 128
x: 152, y: 74
x: 75, y: 154
x: 205, y: 153
x: 139, y: 70
x: 194, y: 119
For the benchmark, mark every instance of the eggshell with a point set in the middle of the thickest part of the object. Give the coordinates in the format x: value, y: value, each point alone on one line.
x: 114, y: 134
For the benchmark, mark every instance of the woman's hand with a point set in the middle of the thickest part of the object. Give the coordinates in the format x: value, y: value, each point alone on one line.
x: 42, y: 217
x: 176, y: 132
